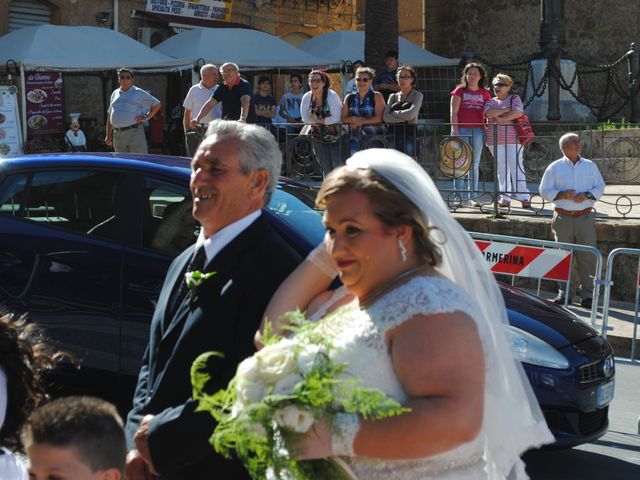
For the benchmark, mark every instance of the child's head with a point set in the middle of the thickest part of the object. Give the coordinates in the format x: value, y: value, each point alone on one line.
x: 76, y: 438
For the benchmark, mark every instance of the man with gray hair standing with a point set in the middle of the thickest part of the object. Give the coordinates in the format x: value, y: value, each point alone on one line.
x: 574, y: 184
x: 233, y: 174
x: 197, y: 96
x: 129, y: 108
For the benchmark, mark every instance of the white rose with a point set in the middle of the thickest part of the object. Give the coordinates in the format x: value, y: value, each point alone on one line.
x: 294, y: 418
x: 285, y: 385
x: 276, y: 361
x: 249, y: 392
x: 307, y: 357
x: 248, y: 369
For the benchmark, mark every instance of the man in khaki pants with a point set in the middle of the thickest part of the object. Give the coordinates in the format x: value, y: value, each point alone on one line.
x: 574, y: 184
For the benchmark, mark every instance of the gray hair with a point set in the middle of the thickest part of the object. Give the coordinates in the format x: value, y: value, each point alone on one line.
x: 226, y: 64
x: 259, y: 150
x: 207, y: 66
x: 568, y: 138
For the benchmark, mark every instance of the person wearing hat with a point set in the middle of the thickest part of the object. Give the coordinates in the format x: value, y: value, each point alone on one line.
x: 386, y: 82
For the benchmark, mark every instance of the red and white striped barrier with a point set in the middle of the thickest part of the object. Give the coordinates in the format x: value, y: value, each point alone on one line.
x: 525, y: 261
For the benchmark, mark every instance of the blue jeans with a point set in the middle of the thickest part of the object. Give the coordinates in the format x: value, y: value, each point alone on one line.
x: 475, y: 137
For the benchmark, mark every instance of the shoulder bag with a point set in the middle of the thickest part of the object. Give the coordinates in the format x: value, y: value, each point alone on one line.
x: 523, y: 128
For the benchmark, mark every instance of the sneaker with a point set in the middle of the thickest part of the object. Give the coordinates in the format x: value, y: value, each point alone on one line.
x: 504, y: 203
x: 559, y: 300
x: 587, y: 303
x: 473, y: 203
x: 526, y: 204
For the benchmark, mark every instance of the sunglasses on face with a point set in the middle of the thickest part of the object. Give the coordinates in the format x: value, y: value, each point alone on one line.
x: 125, y: 77
x: 363, y: 79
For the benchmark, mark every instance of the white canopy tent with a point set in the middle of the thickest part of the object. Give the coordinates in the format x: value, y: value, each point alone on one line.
x: 250, y: 49
x: 79, y: 49
x: 344, y: 45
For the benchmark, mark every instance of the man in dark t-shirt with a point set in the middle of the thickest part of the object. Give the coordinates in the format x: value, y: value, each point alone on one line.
x: 235, y: 95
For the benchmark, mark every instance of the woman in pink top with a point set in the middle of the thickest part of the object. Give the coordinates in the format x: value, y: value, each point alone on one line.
x: 502, y: 140
x: 467, y: 101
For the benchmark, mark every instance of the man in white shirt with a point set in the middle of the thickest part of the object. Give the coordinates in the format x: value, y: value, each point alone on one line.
x: 574, y: 184
x: 197, y: 96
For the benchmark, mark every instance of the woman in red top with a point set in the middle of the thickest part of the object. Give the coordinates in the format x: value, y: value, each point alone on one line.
x: 467, y: 120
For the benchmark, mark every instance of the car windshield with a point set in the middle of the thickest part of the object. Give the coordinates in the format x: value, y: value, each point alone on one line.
x: 295, y: 206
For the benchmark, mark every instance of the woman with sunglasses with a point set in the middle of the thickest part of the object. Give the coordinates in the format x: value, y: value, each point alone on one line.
x: 402, y: 111
x: 320, y: 108
x: 502, y: 140
x: 467, y: 100
x: 362, y: 111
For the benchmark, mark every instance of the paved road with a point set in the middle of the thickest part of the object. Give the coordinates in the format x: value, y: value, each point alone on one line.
x: 615, y: 456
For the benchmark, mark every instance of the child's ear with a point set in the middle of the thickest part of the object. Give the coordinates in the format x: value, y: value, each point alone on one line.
x: 111, y: 474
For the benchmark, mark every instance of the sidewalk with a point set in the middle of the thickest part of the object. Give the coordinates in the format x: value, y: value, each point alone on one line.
x: 619, y: 324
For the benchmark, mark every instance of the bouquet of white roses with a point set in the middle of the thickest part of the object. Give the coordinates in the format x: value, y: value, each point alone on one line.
x: 279, y: 393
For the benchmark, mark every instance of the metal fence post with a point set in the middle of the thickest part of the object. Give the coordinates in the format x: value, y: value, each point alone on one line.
x: 553, y: 64
x: 633, y: 59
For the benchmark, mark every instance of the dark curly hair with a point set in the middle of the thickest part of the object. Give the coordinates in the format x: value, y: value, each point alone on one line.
x: 24, y: 357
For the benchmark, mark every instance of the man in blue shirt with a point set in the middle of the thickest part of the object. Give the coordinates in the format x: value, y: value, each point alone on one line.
x: 129, y: 108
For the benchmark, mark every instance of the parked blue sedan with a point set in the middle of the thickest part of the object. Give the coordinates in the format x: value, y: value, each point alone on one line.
x: 85, y: 241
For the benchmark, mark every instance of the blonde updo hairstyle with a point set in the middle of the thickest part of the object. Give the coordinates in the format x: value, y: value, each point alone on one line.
x: 389, y: 205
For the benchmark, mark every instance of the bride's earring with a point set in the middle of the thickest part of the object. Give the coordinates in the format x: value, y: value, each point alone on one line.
x: 403, y: 250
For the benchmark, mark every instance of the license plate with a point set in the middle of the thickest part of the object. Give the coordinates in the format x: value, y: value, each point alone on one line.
x: 605, y: 393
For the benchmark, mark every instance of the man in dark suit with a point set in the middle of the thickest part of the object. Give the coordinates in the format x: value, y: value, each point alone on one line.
x: 233, y: 175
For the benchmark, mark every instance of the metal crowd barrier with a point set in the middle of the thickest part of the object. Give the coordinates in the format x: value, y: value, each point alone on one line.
x: 608, y: 283
x: 555, y: 245
x: 616, y: 152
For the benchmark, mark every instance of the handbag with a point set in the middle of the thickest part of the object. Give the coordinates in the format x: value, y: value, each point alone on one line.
x: 523, y: 128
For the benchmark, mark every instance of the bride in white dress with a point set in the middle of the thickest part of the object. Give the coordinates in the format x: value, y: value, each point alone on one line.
x: 419, y: 317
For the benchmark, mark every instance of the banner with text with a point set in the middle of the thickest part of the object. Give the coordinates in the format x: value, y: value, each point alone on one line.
x: 45, y: 103
x: 204, y: 9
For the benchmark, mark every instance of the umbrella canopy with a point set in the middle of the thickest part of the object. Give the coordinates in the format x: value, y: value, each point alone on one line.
x: 68, y: 49
x: 250, y: 49
x: 344, y: 45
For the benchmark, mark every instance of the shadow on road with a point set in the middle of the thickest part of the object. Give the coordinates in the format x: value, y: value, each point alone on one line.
x: 579, y: 465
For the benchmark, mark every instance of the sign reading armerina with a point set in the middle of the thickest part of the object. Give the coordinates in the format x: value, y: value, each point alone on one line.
x: 205, y: 9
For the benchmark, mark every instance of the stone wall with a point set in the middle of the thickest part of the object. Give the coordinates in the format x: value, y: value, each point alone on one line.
x: 504, y: 31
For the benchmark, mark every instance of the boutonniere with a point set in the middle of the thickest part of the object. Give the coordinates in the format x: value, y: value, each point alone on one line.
x: 194, y: 280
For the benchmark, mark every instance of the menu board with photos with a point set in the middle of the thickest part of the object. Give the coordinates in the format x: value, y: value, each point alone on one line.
x: 10, y: 132
x: 45, y: 106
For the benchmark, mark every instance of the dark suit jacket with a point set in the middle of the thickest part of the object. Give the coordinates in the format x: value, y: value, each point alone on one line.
x: 223, y: 317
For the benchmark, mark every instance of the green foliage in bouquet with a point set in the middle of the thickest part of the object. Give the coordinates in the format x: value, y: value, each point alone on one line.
x: 277, y: 395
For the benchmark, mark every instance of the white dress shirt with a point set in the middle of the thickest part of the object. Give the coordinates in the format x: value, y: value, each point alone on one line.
x: 216, y: 242
x: 563, y: 174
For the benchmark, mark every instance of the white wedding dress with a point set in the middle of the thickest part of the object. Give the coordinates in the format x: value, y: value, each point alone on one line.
x: 359, y: 337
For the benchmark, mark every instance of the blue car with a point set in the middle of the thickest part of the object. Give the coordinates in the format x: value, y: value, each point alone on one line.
x: 86, y: 239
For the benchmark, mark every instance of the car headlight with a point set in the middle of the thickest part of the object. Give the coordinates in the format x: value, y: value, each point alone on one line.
x: 530, y: 349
